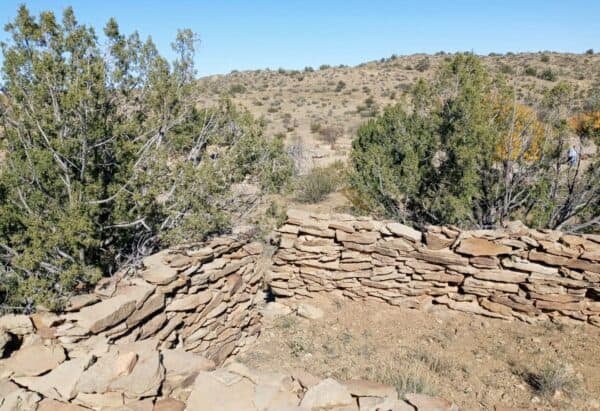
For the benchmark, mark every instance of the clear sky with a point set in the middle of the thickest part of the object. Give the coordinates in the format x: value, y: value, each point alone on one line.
x: 255, y: 34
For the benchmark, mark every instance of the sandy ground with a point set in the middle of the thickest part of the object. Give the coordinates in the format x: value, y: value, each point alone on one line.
x: 475, y: 361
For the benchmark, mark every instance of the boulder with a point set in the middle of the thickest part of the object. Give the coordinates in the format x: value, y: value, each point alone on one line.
x: 477, y: 247
x: 274, y: 309
x: 327, y: 394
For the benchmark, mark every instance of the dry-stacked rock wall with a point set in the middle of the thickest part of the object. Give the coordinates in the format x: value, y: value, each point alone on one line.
x: 515, y: 272
x: 200, y: 298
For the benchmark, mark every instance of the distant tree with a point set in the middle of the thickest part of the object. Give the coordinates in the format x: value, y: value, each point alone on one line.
x: 423, y: 64
x: 589, y: 51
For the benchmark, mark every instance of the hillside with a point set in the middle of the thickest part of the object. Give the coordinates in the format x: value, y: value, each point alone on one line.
x: 339, y: 99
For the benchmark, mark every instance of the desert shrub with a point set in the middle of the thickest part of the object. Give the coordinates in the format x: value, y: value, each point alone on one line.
x: 330, y: 134
x: 552, y: 379
x: 318, y: 183
x: 340, y: 86
x: 324, y: 66
x: 465, y: 148
x: 109, y: 158
x: 548, y: 75
x: 423, y: 64
x: 530, y: 71
x: 369, y: 108
x: 589, y: 51
x: 237, y: 89
x: 506, y: 69
x: 315, y: 127
x: 544, y: 58
x: 308, y: 69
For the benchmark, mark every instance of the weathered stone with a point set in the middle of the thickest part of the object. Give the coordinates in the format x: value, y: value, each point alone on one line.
x: 327, y: 394
x: 481, y: 247
x: 214, y: 393
x: 77, y: 302
x: 309, y: 311
x: 145, y: 378
x: 157, y: 271
x: 105, y: 314
x: 35, y: 360
x: 189, y: 302
x: 437, y: 241
x: 274, y: 309
x: 492, y: 285
x: 169, y: 404
x: 485, y: 262
x: 444, y: 277
x: 505, y: 276
x: 362, y: 388
x: 529, y: 267
x: 359, y: 238
x: 16, y: 324
x: 558, y: 249
x: 48, y: 404
x: 405, y: 231
x: 441, y: 257
x: 19, y: 399
x: 60, y: 383
x: 552, y: 305
x: 495, y: 307
x: 424, y: 402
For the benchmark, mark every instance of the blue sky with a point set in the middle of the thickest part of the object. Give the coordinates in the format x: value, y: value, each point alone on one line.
x: 294, y: 34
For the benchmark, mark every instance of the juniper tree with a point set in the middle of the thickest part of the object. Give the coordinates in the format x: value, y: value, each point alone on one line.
x: 466, y: 152
x: 106, y: 155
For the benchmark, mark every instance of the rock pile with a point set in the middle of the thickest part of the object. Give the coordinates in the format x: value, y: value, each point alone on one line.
x: 515, y: 272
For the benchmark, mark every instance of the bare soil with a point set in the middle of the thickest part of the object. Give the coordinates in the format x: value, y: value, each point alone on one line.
x: 474, y: 361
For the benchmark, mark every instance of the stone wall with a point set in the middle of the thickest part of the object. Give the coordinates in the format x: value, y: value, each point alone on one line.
x: 515, y: 272
x: 200, y: 298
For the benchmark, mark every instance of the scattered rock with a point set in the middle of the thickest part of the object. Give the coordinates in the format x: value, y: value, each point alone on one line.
x: 309, y: 311
x: 327, y: 394
x: 426, y: 403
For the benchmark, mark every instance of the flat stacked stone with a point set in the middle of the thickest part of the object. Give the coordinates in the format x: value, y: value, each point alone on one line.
x: 515, y: 272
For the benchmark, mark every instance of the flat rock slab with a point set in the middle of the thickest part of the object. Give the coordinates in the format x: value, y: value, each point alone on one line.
x: 157, y: 271
x: 309, y: 311
x: 327, y: 394
x: 60, y: 383
x: 105, y: 314
x: 35, y: 360
x: 478, y: 247
x: 210, y: 393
